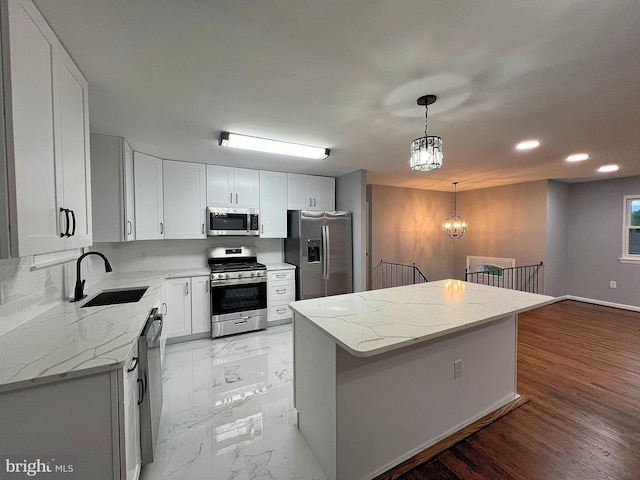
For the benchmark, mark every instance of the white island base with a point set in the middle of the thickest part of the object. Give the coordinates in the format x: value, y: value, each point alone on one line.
x: 367, y: 404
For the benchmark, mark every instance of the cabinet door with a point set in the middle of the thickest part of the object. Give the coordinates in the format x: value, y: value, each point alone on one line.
x: 299, y: 192
x: 147, y: 181
x: 220, y: 186
x: 30, y: 128
x: 129, y: 205
x: 246, y: 186
x: 177, y: 320
x: 73, y: 134
x: 185, y: 201
x: 324, y: 197
x: 133, y: 458
x: 273, y: 205
x: 200, y: 304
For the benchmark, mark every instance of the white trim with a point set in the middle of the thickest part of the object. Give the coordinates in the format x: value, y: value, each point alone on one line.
x: 632, y: 308
x: 626, y: 226
x: 629, y: 259
x: 57, y: 258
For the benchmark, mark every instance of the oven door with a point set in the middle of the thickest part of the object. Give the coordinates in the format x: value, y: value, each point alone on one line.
x: 235, y: 299
x: 228, y: 221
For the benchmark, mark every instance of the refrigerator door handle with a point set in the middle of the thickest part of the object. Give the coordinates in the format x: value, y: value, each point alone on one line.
x: 327, y: 252
x: 323, y: 252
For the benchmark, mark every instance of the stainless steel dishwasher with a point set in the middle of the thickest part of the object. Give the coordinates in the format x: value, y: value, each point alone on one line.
x: 150, y: 381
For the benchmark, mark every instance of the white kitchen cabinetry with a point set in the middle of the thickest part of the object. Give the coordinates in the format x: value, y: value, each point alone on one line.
x: 149, y: 212
x: 273, y: 204
x: 309, y: 192
x: 185, y: 200
x: 232, y: 187
x: 92, y: 419
x: 188, y: 308
x: 112, y: 189
x: 281, y: 289
x: 47, y: 136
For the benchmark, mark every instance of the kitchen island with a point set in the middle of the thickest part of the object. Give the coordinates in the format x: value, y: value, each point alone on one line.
x: 380, y: 376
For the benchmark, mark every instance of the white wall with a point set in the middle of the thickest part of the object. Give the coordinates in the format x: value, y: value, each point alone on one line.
x: 351, y: 196
x: 175, y: 254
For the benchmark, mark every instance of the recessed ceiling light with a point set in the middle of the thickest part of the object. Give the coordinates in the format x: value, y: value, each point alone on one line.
x: 608, y: 168
x: 528, y: 145
x: 577, y: 157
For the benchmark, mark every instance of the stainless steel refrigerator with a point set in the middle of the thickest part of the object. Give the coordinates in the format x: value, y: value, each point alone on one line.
x: 319, y: 245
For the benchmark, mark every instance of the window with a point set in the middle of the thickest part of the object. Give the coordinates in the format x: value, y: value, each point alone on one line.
x: 631, y: 229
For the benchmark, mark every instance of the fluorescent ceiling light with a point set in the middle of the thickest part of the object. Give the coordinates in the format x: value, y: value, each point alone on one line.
x: 528, y: 145
x: 608, y: 168
x: 577, y: 157
x: 236, y: 140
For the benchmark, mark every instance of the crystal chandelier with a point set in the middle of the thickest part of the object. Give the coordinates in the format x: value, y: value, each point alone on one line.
x: 454, y: 226
x: 426, y: 152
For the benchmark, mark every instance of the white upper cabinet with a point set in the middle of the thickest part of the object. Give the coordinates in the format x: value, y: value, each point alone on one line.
x: 232, y: 187
x: 47, y: 133
x: 112, y: 189
x: 149, y: 212
x: 273, y: 205
x: 185, y: 200
x: 309, y: 192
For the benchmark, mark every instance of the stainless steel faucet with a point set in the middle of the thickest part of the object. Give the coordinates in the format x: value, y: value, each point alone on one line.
x: 79, y: 290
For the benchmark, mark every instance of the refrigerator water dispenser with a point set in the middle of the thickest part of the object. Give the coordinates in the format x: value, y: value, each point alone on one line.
x: 313, y: 250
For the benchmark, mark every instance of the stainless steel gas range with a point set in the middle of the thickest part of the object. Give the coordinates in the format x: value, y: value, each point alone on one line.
x: 238, y: 291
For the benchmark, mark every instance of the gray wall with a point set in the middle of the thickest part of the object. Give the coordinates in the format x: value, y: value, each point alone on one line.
x: 351, y: 196
x: 595, y: 242
x: 556, y: 262
x: 406, y: 227
x: 507, y: 221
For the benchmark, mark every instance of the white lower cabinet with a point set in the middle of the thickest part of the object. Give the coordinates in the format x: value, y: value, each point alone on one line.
x: 188, y: 307
x: 93, y: 421
x: 131, y: 419
x: 281, y: 289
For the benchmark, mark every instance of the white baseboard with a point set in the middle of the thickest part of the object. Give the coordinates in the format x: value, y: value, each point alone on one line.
x: 633, y: 308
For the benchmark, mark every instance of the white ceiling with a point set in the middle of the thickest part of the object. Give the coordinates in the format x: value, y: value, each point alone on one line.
x: 170, y: 75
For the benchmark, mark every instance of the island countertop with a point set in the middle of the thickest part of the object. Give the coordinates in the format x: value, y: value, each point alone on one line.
x: 377, y: 321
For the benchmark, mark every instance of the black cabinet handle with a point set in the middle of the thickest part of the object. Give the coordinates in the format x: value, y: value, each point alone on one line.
x: 134, y: 366
x: 140, y: 391
x: 73, y: 217
x: 129, y: 227
x: 66, y: 216
x: 161, y: 228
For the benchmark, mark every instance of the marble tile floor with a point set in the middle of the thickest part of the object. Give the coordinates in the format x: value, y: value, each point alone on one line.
x: 228, y: 412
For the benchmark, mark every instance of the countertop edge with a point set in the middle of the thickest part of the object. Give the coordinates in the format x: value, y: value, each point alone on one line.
x: 429, y: 336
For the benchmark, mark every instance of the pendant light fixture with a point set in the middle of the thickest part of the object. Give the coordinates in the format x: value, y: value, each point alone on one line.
x: 455, y: 227
x: 426, y: 152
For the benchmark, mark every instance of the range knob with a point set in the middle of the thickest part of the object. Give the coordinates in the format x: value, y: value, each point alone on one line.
x: 219, y: 275
x: 239, y: 274
x: 258, y: 274
x: 226, y: 275
x: 253, y: 274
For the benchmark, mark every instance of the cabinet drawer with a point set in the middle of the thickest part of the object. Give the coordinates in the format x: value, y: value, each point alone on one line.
x: 280, y: 275
x: 279, y: 312
x: 279, y: 291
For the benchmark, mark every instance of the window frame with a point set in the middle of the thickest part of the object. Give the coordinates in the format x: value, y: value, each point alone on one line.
x: 626, y: 227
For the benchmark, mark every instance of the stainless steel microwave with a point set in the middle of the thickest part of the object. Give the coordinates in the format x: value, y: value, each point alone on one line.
x: 233, y: 221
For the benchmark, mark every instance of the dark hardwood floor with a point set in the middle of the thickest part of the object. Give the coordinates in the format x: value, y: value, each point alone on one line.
x: 580, y: 366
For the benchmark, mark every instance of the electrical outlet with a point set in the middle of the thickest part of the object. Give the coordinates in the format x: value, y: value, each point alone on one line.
x: 457, y: 369
x: 144, y: 255
x: 613, y: 284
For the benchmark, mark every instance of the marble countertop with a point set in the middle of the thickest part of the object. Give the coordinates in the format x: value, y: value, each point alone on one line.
x: 378, y: 321
x: 69, y: 341
x: 280, y: 266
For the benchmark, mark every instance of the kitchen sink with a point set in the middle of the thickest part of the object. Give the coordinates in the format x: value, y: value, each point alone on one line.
x: 113, y: 297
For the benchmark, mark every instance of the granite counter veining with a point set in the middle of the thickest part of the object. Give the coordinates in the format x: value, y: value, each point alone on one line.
x: 378, y: 321
x: 69, y: 341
